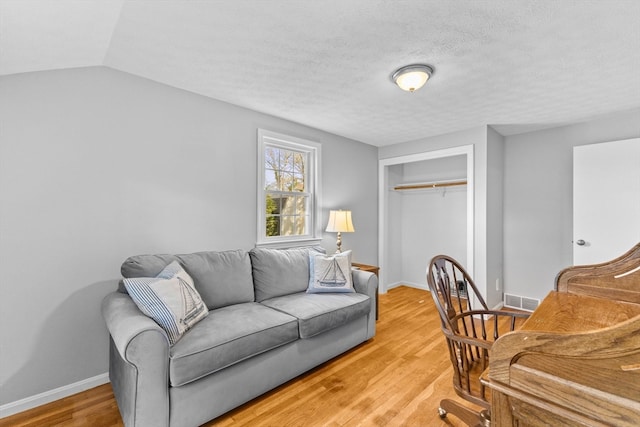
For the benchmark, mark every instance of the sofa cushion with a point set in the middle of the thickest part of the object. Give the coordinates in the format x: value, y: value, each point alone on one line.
x: 330, y: 273
x: 170, y: 299
x: 278, y: 272
x: 222, y: 278
x: 227, y: 336
x: 317, y: 313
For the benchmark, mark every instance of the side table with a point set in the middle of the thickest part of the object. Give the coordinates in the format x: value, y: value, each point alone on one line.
x: 373, y: 269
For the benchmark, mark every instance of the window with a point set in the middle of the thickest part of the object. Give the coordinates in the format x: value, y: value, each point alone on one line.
x: 288, y: 189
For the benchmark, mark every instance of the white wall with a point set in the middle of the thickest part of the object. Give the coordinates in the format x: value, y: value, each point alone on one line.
x: 538, y: 188
x: 433, y: 221
x: 432, y: 225
x: 97, y: 165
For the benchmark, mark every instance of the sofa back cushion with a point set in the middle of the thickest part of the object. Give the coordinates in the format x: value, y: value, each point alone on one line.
x: 221, y: 278
x: 278, y: 272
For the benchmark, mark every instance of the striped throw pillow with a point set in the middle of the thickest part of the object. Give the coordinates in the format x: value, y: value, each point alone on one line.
x: 170, y: 299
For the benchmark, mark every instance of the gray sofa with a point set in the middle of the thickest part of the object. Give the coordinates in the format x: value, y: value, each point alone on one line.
x: 262, y: 330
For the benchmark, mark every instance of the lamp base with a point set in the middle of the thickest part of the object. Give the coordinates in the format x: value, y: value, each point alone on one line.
x: 339, y: 243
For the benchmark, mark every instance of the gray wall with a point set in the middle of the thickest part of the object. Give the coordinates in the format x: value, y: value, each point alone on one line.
x: 97, y: 165
x: 538, y: 198
x: 495, y: 180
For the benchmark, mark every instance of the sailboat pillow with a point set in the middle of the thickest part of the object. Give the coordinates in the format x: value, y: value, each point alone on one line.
x: 170, y: 299
x: 330, y: 273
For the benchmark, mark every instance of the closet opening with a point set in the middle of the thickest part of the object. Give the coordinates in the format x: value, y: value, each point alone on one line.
x: 426, y: 205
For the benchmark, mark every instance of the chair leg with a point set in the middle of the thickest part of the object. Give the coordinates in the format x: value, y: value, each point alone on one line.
x: 466, y: 415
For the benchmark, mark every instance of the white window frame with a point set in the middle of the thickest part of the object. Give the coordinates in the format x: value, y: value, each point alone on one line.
x: 268, y: 138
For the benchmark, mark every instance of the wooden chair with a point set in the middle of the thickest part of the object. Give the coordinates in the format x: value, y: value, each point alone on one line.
x: 470, y: 328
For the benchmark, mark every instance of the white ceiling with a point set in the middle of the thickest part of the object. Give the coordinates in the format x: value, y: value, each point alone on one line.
x: 520, y: 64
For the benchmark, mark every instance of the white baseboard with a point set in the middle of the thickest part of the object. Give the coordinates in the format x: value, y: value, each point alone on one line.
x: 408, y: 284
x: 52, y: 395
x: 422, y: 286
x: 393, y: 285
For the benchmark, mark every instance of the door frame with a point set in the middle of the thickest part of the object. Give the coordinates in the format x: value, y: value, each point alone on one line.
x: 383, y: 188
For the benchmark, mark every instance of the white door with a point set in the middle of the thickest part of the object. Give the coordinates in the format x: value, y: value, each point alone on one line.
x: 606, y: 200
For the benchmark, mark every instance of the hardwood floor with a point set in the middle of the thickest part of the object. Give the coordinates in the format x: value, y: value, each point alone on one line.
x: 395, y: 379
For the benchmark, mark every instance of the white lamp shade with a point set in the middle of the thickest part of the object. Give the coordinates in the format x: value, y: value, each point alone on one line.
x: 340, y: 221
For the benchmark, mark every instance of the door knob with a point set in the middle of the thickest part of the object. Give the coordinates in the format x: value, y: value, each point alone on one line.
x: 580, y: 242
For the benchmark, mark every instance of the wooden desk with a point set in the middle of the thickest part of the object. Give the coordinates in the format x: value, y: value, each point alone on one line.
x: 575, y: 361
x: 373, y: 269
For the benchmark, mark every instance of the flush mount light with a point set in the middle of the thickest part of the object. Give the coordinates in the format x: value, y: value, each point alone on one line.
x: 412, y: 77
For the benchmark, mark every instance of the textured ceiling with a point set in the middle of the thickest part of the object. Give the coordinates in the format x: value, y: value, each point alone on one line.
x: 519, y: 64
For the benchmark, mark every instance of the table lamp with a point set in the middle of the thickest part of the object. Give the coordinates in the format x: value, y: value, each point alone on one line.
x: 340, y: 222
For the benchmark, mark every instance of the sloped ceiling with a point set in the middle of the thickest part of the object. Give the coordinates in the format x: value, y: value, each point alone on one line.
x: 519, y: 64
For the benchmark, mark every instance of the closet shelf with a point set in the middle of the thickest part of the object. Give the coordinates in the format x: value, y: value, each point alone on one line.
x: 420, y: 186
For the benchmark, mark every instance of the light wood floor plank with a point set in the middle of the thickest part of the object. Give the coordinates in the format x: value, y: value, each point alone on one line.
x: 396, y: 379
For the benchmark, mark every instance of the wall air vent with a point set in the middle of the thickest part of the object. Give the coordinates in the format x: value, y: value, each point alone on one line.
x: 519, y: 302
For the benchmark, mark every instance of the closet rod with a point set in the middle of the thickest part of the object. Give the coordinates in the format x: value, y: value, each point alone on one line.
x: 429, y: 185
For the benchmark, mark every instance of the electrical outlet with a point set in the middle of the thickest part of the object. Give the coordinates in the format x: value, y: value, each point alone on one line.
x: 498, y: 284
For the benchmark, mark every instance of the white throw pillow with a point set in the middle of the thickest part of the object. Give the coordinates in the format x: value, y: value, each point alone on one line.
x: 170, y: 299
x: 330, y: 273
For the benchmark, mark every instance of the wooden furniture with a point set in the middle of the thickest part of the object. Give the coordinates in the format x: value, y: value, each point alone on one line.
x: 470, y: 329
x: 364, y: 267
x: 373, y: 269
x: 576, y: 360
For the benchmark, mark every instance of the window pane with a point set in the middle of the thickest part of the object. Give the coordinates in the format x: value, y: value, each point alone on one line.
x: 273, y: 225
x: 301, y: 205
x: 294, y: 205
x: 287, y: 181
x: 293, y: 225
x: 299, y: 162
x: 301, y: 225
x: 298, y: 182
x: 286, y: 160
x: 288, y: 205
x: 270, y: 180
x: 284, y: 170
x: 287, y: 223
x: 272, y: 158
x: 272, y: 204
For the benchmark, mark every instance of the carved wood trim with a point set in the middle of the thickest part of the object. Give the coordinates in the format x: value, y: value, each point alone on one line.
x: 618, y: 279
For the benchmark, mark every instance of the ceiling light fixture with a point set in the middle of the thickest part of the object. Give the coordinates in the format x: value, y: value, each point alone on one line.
x: 412, y: 77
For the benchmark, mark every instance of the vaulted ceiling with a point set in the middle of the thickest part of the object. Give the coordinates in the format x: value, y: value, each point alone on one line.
x: 519, y: 64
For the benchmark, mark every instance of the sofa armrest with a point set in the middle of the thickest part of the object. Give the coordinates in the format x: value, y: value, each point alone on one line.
x: 126, y: 322
x: 139, y: 369
x: 366, y: 283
